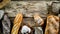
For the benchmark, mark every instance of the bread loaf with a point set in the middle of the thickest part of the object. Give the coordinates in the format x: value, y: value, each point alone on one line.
x: 17, y: 23
x: 38, y: 20
x: 52, y: 26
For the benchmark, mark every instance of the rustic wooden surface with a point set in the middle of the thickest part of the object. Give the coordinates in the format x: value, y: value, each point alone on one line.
x: 28, y: 8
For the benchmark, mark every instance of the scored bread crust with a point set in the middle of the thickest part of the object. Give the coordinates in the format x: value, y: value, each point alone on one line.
x: 52, y: 26
x: 17, y: 23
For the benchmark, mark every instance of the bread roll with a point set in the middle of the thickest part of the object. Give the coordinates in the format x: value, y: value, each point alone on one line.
x: 38, y: 20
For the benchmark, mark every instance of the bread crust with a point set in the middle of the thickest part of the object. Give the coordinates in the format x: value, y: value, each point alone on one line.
x: 52, y: 26
x: 38, y: 20
x: 17, y: 23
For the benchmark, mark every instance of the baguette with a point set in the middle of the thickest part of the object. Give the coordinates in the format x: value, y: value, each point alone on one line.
x: 17, y: 23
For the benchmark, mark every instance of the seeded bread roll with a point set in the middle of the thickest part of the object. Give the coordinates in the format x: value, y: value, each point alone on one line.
x: 17, y: 23
x: 52, y: 26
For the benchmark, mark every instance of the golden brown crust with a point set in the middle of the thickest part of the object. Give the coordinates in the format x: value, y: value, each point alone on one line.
x: 38, y: 20
x: 3, y: 3
x: 52, y: 26
x: 17, y: 23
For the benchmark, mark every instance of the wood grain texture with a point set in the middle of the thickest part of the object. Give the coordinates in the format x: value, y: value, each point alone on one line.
x: 27, y: 8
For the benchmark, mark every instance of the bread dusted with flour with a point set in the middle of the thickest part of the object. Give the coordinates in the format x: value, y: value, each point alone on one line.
x: 52, y: 26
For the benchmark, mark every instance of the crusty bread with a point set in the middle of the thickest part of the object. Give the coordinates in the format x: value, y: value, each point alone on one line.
x: 52, y: 26
x: 17, y: 23
x: 38, y: 20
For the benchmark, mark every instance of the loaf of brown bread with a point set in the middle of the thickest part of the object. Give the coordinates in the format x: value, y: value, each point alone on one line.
x: 52, y: 26
x: 17, y: 23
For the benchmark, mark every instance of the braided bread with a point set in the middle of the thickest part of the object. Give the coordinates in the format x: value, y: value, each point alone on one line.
x: 17, y: 23
x: 52, y: 26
